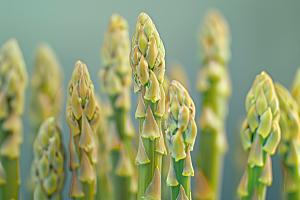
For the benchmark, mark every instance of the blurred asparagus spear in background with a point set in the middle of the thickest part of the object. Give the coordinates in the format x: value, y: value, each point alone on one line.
x: 181, y: 136
x: 148, y: 67
x: 260, y: 137
x: 83, y: 119
x: 104, y: 186
x: 49, y: 157
x: 116, y: 82
x: 179, y: 74
x: 214, y: 85
x: 289, y: 146
x: 46, y: 94
x: 13, y: 83
x: 46, y: 97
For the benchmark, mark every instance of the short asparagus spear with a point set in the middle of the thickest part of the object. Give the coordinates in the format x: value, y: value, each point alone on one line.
x: 49, y: 157
x: 148, y: 68
x: 289, y: 146
x: 260, y: 137
x: 214, y: 85
x: 83, y: 119
x: 116, y: 82
x: 181, y: 135
x: 46, y: 82
x: 13, y: 83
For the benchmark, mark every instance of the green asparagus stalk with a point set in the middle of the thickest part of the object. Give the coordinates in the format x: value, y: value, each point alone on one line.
x: 214, y: 85
x: 46, y: 99
x: 46, y: 94
x: 295, y: 89
x: 83, y: 119
x: 148, y: 68
x: 13, y: 83
x: 49, y: 157
x: 181, y: 135
x: 116, y: 82
x: 104, y: 186
x: 165, y: 190
x: 260, y: 137
x: 289, y: 146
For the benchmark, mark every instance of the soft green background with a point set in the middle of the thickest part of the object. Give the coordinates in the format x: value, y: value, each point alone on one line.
x: 266, y: 36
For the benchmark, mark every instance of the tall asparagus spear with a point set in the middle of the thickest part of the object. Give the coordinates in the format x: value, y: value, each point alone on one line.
x: 181, y: 136
x: 215, y: 87
x: 148, y: 68
x: 116, y: 82
x: 104, y: 186
x: 260, y: 137
x: 83, y: 119
x: 46, y: 81
x: 13, y: 83
x: 49, y: 157
x: 289, y: 147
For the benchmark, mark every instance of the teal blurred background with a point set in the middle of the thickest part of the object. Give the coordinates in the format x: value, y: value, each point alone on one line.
x: 265, y: 36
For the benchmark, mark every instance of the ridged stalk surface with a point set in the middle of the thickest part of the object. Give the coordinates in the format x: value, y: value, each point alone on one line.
x: 181, y: 135
x: 214, y: 85
x: 13, y: 83
x: 83, y: 117
x: 48, y: 162
x: 148, y: 68
x: 289, y: 146
x: 116, y: 81
x: 260, y: 136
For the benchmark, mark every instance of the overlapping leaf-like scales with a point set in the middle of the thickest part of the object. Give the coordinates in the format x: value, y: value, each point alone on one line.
x: 181, y: 135
x: 289, y: 147
x: 148, y: 68
x: 260, y: 135
x: 13, y: 84
x: 48, y: 164
x: 83, y: 115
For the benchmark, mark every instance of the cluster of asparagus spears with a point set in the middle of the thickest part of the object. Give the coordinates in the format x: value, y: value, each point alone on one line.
x: 102, y: 156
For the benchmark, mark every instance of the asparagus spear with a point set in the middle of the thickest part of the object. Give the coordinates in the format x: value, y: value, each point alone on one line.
x: 46, y: 81
x: 289, y: 147
x: 83, y: 119
x: 46, y: 94
x: 49, y: 157
x: 181, y: 136
x: 104, y: 186
x: 214, y: 85
x: 260, y: 137
x: 116, y: 82
x: 165, y: 190
x: 295, y: 89
x: 148, y: 68
x: 13, y: 83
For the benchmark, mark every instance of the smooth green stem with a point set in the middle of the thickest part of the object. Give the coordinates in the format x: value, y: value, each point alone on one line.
x: 211, y: 160
x: 122, y: 183
x: 184, y: 181
x: 211, y: 156
x: 88, y: 190
x: 11, y: 188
